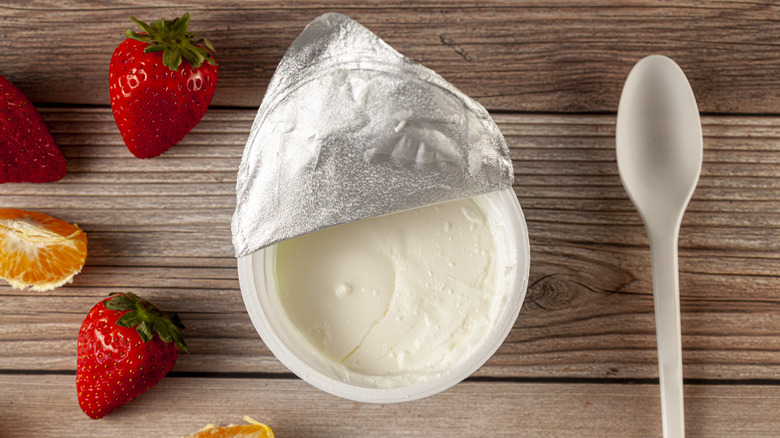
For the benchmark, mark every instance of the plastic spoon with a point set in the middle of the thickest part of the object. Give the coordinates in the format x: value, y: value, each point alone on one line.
x: 659, y: 157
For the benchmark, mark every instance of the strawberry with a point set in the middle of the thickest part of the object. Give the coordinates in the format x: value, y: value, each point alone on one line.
x: 126, y: 345
x: 27, y: 151
x: 158, y: 97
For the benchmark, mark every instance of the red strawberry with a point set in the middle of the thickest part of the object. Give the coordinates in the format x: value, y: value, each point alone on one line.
x: 126, y: 345
x: 158, y: 97
x: 27, y: 151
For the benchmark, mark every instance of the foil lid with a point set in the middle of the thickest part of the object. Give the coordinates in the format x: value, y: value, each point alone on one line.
x: 350, y: 129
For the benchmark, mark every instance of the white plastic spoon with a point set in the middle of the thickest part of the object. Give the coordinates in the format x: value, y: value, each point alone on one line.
x: 659, y: 157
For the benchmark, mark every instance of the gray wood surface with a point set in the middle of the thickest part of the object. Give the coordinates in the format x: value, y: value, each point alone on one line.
x: 182, y: 405
x: 568, y: 56
x: 161, y: 226
x: 581, y: 358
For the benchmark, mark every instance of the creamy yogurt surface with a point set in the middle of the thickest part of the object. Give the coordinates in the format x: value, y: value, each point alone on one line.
x: 407, y: 294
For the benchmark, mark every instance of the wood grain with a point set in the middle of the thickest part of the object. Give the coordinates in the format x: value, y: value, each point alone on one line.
x: 531, y: 56
x: 581, y: 359
x: 179, y: 406
x: 161, y: 228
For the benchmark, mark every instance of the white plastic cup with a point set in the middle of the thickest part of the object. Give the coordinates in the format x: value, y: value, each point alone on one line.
x: 262, y: 301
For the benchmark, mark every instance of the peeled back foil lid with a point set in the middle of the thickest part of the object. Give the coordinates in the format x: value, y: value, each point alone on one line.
x: 350, y: 129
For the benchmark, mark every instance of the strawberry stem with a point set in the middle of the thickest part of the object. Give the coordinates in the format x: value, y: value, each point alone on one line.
x: 147, y: 319
x: 172, y: 38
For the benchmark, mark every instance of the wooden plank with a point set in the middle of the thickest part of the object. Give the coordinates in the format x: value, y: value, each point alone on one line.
x: 161, y: 230
x: 557, y: 56
x: 567, y: 328
x: 178, y: 406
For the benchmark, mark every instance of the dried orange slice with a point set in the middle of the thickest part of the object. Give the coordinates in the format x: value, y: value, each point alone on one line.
x: 252, y: 430
x: 39, y: 251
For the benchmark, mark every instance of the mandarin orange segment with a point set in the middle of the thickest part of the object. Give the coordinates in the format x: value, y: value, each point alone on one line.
x: 38, y: 251
x: 253, y: 430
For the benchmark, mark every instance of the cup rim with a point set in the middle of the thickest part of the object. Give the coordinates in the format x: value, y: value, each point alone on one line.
x: 514, y: 222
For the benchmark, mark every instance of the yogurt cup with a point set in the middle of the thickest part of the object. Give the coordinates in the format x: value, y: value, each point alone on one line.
x: 257, y: 277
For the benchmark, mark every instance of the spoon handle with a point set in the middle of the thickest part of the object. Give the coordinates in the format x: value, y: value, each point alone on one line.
x: 666, y: 293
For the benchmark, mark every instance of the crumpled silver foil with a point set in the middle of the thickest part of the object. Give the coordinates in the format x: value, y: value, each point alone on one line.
x: 350, y: 129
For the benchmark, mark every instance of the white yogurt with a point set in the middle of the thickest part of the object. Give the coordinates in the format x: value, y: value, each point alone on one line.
x: 396, y: 299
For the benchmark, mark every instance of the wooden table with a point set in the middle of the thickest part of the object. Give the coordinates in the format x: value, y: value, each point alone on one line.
x: 581, y: 359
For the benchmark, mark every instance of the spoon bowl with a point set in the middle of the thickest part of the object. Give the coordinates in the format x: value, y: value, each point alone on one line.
x: 659, y: 149
x: 659, y: 139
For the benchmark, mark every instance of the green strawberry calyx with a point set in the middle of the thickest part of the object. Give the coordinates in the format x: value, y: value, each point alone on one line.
x: 146, y: 319
x: 172, y: 38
